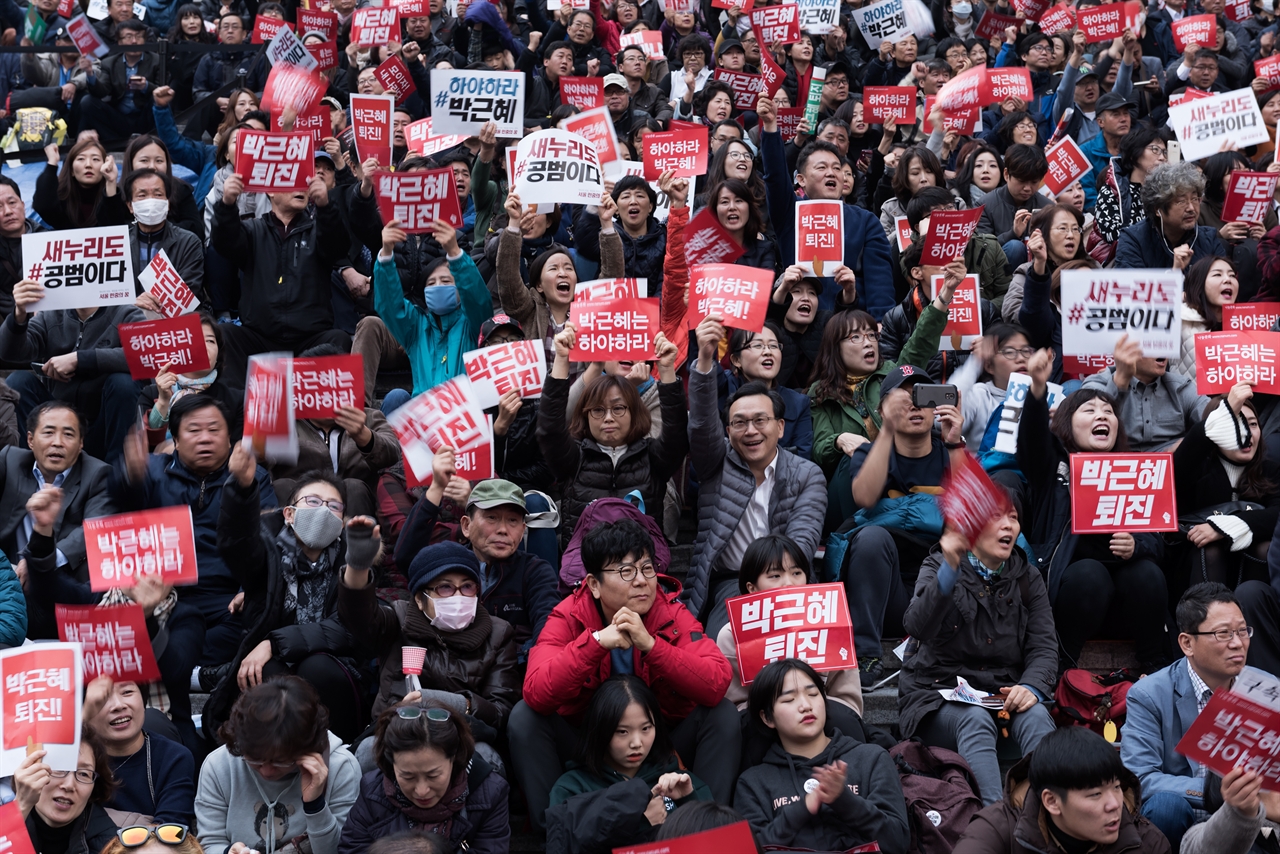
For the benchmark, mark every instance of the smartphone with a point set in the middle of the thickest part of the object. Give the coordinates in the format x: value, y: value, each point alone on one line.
x: 1175, y: 151
x: 927, y: 395
x: 136, y: 82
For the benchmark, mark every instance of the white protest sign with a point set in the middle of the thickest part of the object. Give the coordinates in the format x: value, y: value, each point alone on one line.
x: 819, y: 17
x: 610, y: 289
x: 1100, y: 306
x: 557, y: 166
x: 162, y: 281
x: 1204, y: 126
x: 1015, y: 398
x: 883, y: 21
x: 40, y: 703
x: 515, y: 366
x: 463, y: 101
x: 80, y: 268
x: 286, y: 47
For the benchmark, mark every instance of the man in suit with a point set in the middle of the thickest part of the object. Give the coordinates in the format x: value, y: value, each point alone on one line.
x: 1214, y: 638
x: 55, y: 435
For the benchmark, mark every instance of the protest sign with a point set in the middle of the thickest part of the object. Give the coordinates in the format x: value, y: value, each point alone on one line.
x: 113, y: 640
x: 268, y: 406
x: 772, y: 75
x: 1250, y: 316
x: 1199, y: 30
x: 265, y: 29
x: 993, y: 24
x: 1250, y: 196
x: 585, y: 93
x: 1268, y: 68
x: 738, y: 293
x: 608, y: 289
x: 474, y: 464
x: 375, y: 25
x: 1009, y: 83
x: 616, y: 330
x: 649, y: 41
x: 1205, y: 125
x: 964, y: 122
x: 1233, y: 732
x: 776, y: 25
x: 1083, y: 366
x: 80, y: 267
x: 1191, y: 93
x: 964, y: 314
x: 178, y: 342
x: 86, y: 38
x: 274, y: 162
x: 1258, y: 686
x: 885, y: 21
x: 1101, y: 306
x: 949, y: 233
x: 412, y: 8
x: 789, y: 120
x: 394, y: 77
x: 418, y: 199
x: 732, y: 837
x: 889, y: 102
x: 684, y: 151
x: 819, y: 17
x: 1058, y: 19
x: 811, y: 623
x: 1032, y: 10
x: 902, y: 227
x: 315, y: 122
x: 706, y: 241
x: 515, y: 366
x: 1113, y: 493
x: 288, y: 48
x: 1015, y: 398
x: 743, y: 5
x: 14, y: 838
x: 596, y: 127
x: 326, y: 57
x: 814, y: 102
x: 317, y: 21
x: 556, y: 166
x: 1238, y: 10
x: 40, y: 704
x: 447, y: 415
x: 1102, y: 23
x: 121, y: 548
x: 371, y: 125
x: 747, y: 88
x: 819, y: 236
x: 1226, y: 358
x: 969, y: 500
x: 324, y: 384
x: 1067, y: 164
x: 419, y: 138
x: 967, y: 89
x: 162, y: 281
x: 464, y: 101
x: 68, y: 8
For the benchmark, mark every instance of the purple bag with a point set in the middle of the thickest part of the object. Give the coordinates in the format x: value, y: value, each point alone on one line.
x: 599, y: 512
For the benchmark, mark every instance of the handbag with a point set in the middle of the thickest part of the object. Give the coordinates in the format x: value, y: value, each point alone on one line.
x: 1086, y: 699
x: 1187, y: 521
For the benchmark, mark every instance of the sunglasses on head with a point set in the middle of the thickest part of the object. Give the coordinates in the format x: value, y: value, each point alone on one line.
x: 137, y: 835
x: 412, y: 713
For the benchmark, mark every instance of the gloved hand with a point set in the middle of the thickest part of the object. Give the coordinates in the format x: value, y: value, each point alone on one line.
x: 363, y: 542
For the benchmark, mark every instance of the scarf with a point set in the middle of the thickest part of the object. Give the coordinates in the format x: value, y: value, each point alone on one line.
x: 418, y: 628
x: 436, y: 819
x: 194, y: 385
x: 306, y: 586
x: 858, y: 399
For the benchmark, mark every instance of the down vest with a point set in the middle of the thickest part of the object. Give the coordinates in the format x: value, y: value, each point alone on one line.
x: 642, y: 255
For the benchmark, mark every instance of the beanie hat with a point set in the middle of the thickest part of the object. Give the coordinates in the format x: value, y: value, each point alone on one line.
x: 435, y: 560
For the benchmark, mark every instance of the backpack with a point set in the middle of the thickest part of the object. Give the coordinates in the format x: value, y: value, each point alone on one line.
x: 599, y: 512
x: 941, y: 794
x: 1086, y: 699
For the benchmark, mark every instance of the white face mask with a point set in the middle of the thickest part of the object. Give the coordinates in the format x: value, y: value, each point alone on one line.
x: 1268, y: 5
x: 962, y: 10
x: 454, y: 613
x: 151, y: 211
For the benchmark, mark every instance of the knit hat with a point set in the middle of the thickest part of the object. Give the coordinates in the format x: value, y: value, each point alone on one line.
x: 434, y: 561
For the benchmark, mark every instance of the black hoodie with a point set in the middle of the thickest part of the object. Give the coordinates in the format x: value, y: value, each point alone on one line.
x: 872, y: 809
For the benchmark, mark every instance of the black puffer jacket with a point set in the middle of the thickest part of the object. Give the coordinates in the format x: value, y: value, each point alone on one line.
x: 643, y: 255
x: 899, y: 321
x: 516, y: 455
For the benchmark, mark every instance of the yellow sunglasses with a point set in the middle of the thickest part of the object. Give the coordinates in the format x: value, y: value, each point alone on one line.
x: 137, y: 835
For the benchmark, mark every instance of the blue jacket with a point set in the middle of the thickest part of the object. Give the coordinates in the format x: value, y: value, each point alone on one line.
x: 1095, y: 148
x: 866, y: 249
x: 13, y: 607
x: 196, y: 156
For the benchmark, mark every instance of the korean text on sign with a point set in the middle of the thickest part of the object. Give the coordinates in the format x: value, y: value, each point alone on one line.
x: 324, y: 384
x: 739, y: 294
x: 418, y: 199
x: 80, y: 268
x: 274, y: 162
x: 706, y: 241
x: 419, y: 137
x: 463, y: 101
x: 609, y: 331
x: 558, y: 166
x: 778, y: 24
x: 113, y: 639
x: 1234, y: 732
x: 884, y: 102
x: 1204, y: 124
x: 515, y: 366
x: 375, y: 25
x: 1100, y: 306
x: 964, y: 314
x: 949, y: 233
x: 162, y: 281
x: 447, y: 415
x: 268, y: 412
x: 605, y: 289
x: 371, y: 127
x: 1067, y: 164
x: 1250, y: 316
x: 819, y: 236
x: 747, y: 88
x: 1122, y: 492
x: 41, y: 702
x: 883, y: 21
x: 585, y: 93
x: 596, y: 126
x: 152, y: 344
x: 810, y: 623
x: 684, y: 151
x: 1226, y: 358
x: 123, y: 547
x: 1249, y: 196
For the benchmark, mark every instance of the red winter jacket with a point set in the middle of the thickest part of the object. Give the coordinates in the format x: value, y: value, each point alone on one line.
x: 685, y: 668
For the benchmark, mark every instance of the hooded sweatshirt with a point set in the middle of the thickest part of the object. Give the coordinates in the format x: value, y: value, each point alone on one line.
x: 871, y: 809
x: 235, y: 804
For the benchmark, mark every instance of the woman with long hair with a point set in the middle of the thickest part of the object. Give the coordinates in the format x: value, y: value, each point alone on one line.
x: 1241, y: 237
x: 981, y: 172
x: 734, y: 159
x: 917, y: 167
x: 65, y: 811
x: 1060, y: 229
x: 85, y: 193
x: 737, y: 209
x: 188, y: 27
x: 239, y: 103
x: 148, y: 151
x: 1210, y: 284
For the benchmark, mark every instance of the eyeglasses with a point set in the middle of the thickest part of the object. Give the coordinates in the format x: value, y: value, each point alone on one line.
x: 1012, y: 353
x: 279, y: 766
x: 1225, y: 635
x: 135, y: 836
x: 859, y: 337
x: 446, y: 589
x: 412, y: 713
x: 739, y: 425
x: 617, y: 411
x: 82, y: 776
x: 836, y: 81
x: 762, y: 347
x: 1025, y: 124
x: 316, y: 501
x: 1067, y: 229
x: 958, y: 53
x: 1040, y: 48
x: 735, y: 154
x: 627, y: 572
x: 1158, y: 150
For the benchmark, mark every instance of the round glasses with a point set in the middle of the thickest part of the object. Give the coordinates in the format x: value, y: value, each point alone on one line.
x: 412, y: 713
x: 617, y: 411
x: 135, y: 836
x: 445, y: 589
x: 859, y: 337
x: 1012, y: 353
x: 627, y: 572
x: 279, y: 766
x: 762, y: 347
x: 314, y: 501
x: 740, y: 425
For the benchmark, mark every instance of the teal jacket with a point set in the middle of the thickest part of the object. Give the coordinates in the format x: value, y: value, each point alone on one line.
x: 435, y: 343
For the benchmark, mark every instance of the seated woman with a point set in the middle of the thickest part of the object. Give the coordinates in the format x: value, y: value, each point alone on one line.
x: 629, y: 778
x: 280, y: 777
x: 1210, y: 284
x: 85, y: 193
x: 803, y: 794
x: 1001, y: 351
x: 65, y: 811
x: 740, y: 212
x: 758, y: 356
x: 148, y: 151
x: 168, y: 388
x: 982, y: 613
x: 429, y: 779
x: 771, y: 562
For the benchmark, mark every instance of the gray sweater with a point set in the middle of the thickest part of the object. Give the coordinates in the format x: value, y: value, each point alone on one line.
x: 1153, y: 414
x: 1226, y: 832
x: 56, y: 333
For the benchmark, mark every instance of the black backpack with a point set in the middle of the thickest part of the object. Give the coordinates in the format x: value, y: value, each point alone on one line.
x: 941, y: 794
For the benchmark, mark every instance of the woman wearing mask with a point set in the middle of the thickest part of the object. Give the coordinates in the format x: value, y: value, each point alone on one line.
x: 1120, y: 196
x: 168, y: 388
x: 85, y: 193
x: 65, y: 811
x: 981, y: 172
x: 757, y: 356
x: 1210, y: 284
x: 149, y: 152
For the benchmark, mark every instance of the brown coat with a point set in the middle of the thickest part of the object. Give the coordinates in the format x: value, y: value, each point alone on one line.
x: 313, y: 451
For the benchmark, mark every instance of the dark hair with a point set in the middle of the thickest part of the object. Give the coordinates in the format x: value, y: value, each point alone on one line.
x: 1025, y: 162
x: 455, y: 155
x: 691, y: 42
x: 1029, y: 41
x: 634, y: 182
x: 928, y: 161
x: 1004, y: 130
x: 753, y: 226
x: 553, y: 249
x: 394, y: 734
x: 221, y: 155
x: 1193, y: 288
x: 140, y: 142
x: 731, y: 123
x: 6, y: 181
x: 1060, y: 424
x: 768, y: 686
x: 206, y: 319
x: 946, y: 44
x: 911, y: 258
x: 138, y: 174
x: 596, y: 394
x: 132, y: 25
x: 280, y: 719
x: 176, y: 33
x: 765, y: 554
x: 1193, y: 607
x: 1073, y: 757
x: 410, y: 842
x: 608, y: 705
x: 755, y: 182
x: 586, y: 12
x: 1042, y: 221
x: 699, y: 816
x: 755, y: 388
x: 555, y: 46
x: 318, y: 476
x: 702, y: 98
x: 835, y: 122
x: 926, y: 201
x: 970, y: 43
x: 104, y: 788
x: 74, y: 195
x: 963, y: 183
x: 812, y: 149
x: 623, y: 51
x: 33, y: 417
x: 1216, y: 168
x: 614, y: 541
x: 1002, y: 332
x: 1134, y: 144
x: 191, y: 403
x: 740, y: 338
x: 830, y: 376
x: 1254, y: 484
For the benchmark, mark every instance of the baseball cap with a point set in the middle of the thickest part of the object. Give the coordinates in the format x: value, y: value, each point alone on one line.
x: 1112, y: 101
x: 1086, y: 71
x: 615, y: 80
x: 496, y: 493
x: 728, y: 45
x: 332, y: 102
x: 321, y: 154
x: 903, y: 375
x: 495, y: 323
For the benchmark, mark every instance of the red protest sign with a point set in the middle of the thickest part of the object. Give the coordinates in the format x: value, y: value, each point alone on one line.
x: 1250, y: 316
x: 617, y: 330
x: 1226, y: 358
x: 1058, y: 19
x: 889, y: 102
x: 775, y: 25
x: 265, y: 29
x: 819, y: 236
x: 739, y: 294
x: 596, y: 127
x: 743, y: 5
x: 685, y: 151
x: 419, y: 138
x: 649, y: 41
x: 994, y: 24
x: 969, y: 500
x: 1268, y: 69
x: 266, y: 399
x: 446, y: 416
x: 585, y: 93
x: 1191, y: 93
x: 316, y: 21
x: 1198, y: 29
x: 67, y: 8
x: 1032, y: 10
x: 162, y: 281
x: 903, y: 228
x: 747, y: 88
x: 474, y: 464
x: 86, y: 38
x: 1083, y: 366
x: 706, y: 241
x: 371, y: 122
x: 967, y: 89
x: 394, y: 77
x: 732, y: 837
x: 273, y: 162
x: 1103, y: 22
x: 1238, y: 10
x: 418, y: 199
x: 811, y: 623
x: 14, y: 838
x: 1067, y: 163
x: 1232, y: 732
x: 326, y: 56
x: 375, y: 25
x: 789, y: 122
x: 314, y: 121
x: 1113, y: 493
x: 964, y: 315
x: 515, y: 366
x: 1249, y: 196
x: 963, y: 122
x: 41, y: 698
x: 949, y: 233
x: 772, y: 74
x: 1009, y: 83
x: 412, y: 8
x: 289, y: 85
x: 114, y: 640
x: 126, y: 546
x: 324, y: 384
x: 177, y: 342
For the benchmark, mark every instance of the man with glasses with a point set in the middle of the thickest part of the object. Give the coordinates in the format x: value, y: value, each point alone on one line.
x: 217, y: 69
x: 1214, y: 637
x: 633, y: 65
x: 617, y: 97
x: 748, y: 485
x: 589, y: 58
x: 119, y: 101
x: 1170, y: 235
